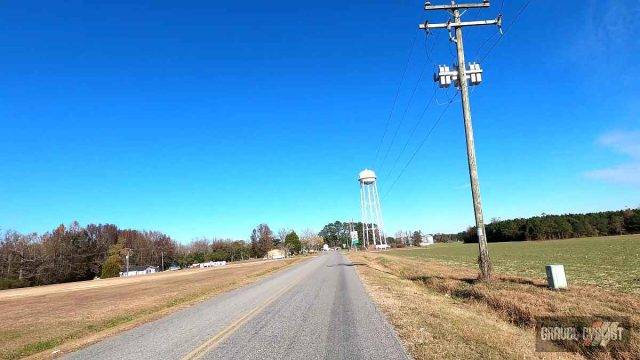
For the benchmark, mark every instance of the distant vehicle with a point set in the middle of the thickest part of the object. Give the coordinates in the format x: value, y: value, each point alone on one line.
x: 173, y: 268
x: 382, y: 247
x: 325, y: 247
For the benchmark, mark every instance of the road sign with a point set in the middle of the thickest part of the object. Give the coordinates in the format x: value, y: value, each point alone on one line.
x: 354, y: 238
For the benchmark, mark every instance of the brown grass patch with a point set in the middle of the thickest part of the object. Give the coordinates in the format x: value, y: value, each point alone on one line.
x: 513, y: 301
x: 67, y: 316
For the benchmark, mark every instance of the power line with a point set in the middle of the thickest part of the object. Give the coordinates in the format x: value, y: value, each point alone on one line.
x: 506, y: 30
x: 395, y: 99
x: 428, y: 51
x: 424, y: 140
x: 489, y: 38
x: 413, y: 130
x: 433, y: 98
x: 484, y: 43
x: 404, y: 114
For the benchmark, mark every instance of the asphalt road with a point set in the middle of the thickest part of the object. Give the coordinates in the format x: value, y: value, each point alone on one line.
x: 317, y: 309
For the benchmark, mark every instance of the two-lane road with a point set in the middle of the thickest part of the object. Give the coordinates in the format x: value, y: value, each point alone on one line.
x: 314, y: 310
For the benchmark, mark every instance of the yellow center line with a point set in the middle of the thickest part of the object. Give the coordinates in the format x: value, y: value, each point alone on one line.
x: 225, y: 333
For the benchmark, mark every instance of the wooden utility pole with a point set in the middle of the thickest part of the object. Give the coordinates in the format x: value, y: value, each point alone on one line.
x: 127, y: 258
x: 459, y: 77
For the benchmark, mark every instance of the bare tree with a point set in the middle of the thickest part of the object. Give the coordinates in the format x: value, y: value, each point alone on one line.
x: 282, y: 234
x: 311, y: 240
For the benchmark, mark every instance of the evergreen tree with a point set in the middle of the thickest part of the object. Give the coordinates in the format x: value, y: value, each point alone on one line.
x: 113, y: 265
x: 292, y: 242
x: 416, y: 238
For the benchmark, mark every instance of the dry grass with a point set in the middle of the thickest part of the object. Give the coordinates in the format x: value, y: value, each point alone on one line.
x: 68, y: 316
x: 442, y: 311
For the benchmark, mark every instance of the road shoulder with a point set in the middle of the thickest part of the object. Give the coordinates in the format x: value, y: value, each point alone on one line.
x: 433, y: 325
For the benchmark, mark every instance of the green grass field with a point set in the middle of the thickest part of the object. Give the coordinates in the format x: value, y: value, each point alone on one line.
x: 611, y: 262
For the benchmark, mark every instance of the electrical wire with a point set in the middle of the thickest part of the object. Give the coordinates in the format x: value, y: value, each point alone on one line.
x: 424, y: 111
x: 424, y: 140
x: 506, y: 30
x: 412, y: 132
x: 484, y: 43
x: 404, y: 115
x: 428, y: 51
x: 430, y: 61
x: 451, y: 100
x: 395, y: 99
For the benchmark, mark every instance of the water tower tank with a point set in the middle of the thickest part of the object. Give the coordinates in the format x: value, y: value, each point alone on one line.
x: 367, y: 176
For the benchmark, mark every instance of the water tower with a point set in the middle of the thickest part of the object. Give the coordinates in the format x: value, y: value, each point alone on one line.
x: 371, y: 210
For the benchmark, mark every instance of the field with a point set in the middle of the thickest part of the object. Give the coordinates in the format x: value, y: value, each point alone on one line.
x: 440, y: 309
x: 609, y: 262
x: 65, y: 316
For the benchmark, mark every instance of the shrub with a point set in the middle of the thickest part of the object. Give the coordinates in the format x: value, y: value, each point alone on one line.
x: 111, y: 267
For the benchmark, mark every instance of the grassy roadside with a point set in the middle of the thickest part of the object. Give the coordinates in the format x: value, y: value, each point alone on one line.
x: 441, y: 311
x: 611, y: 262
x: 43, y: 325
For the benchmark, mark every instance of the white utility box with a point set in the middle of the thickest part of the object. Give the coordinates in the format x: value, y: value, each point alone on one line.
x: 556, y: 278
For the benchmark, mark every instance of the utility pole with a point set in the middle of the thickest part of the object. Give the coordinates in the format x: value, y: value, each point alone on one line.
x: 444, y: 78
x: 162, y: 257
x: 127, y: 258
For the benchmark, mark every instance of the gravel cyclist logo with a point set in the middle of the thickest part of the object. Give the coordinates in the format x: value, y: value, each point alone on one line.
x: 600, y: 333
x: 581, y: 333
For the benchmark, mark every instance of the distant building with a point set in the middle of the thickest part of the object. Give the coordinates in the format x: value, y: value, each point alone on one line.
x: 208, y: 264
x: 214, y: 263
x: 426, y: 240
x: 139, y: 270
x: 276, y: 254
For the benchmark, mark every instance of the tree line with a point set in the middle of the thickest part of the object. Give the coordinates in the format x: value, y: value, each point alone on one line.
x: 337, y: 234
x: 550, y: 227
x: 543, y: 227
x: 75, y: 253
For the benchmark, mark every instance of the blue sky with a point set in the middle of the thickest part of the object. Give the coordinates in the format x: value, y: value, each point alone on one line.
x: 207, y: 118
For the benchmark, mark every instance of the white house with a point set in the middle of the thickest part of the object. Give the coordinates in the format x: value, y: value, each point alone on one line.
x: 426, y: 240
x: 214, y: 264
x: 276, y: 254
x: 139, y: 270
x: 208, y: 264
